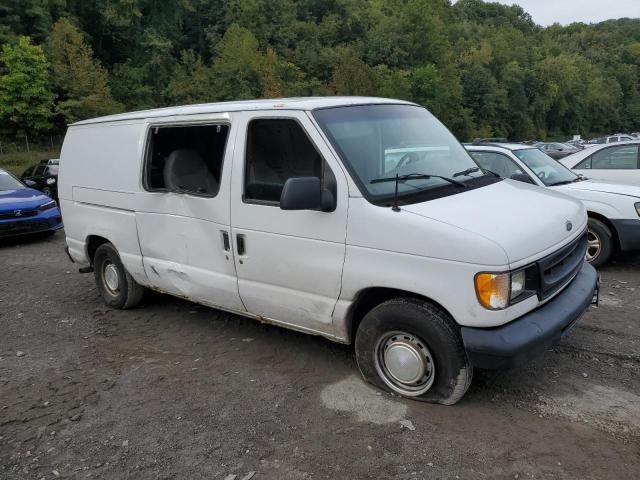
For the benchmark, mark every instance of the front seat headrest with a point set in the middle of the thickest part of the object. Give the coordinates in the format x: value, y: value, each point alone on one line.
x: 186, y: 171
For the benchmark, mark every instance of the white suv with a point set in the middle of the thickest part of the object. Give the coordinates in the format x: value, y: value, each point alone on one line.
x: 613, y: 208
x: 359, y: 219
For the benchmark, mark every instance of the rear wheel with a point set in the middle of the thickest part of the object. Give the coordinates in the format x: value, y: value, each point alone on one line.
x: 599, y: 243
x: 414, y: 349
x: 117, y: 287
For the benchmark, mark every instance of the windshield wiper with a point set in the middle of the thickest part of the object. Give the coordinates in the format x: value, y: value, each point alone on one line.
x: 564, y: 182
x: 412, y: 176
x: 473, y: 170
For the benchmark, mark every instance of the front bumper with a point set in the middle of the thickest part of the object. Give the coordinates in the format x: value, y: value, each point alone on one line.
x: 43, y: 222
x: 628, y: 232
x: 530, y: 335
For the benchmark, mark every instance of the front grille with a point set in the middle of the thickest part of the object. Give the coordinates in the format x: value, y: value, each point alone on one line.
x: 17, y: 213
x: 24, y: 226
x: 557, y: 269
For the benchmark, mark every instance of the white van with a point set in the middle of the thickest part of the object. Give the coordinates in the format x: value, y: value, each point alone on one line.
x: 359, y: 219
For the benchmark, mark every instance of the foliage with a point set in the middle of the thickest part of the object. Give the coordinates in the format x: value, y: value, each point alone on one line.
x: 79, y: 80
x: 483, y: 68
x: 25, y: 97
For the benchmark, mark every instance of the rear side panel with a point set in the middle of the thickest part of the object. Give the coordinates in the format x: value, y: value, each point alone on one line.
x: 98, y: 179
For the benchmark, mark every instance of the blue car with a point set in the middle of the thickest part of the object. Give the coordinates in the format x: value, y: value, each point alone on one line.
x: 24, y: 210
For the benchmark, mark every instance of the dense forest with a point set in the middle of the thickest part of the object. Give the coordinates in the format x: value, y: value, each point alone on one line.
x: 485, y: 69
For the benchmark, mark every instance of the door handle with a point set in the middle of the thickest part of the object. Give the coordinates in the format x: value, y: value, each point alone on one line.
x: 226, y: 245
x: 240, y: 241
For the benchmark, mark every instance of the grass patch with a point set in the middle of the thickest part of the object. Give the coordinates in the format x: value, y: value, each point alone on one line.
x: 18, y: 162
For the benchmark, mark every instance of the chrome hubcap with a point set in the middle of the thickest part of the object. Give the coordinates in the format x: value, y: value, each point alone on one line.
x: 111, y: 278
x: 594, y: 245
x: 404, y: 363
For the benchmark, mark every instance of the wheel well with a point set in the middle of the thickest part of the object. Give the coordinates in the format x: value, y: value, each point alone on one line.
x: 370, y: 298
x: 93, y: 242
x: 607, y: 222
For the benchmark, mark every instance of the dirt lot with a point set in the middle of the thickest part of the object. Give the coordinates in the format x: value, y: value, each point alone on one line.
x: 174, y: 390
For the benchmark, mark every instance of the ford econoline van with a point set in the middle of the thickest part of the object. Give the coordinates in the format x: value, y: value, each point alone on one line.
x: 362, y: 220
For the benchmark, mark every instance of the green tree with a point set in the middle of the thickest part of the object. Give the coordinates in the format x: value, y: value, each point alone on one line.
x: 25, y: 98
x: 237, y: 67
x: 191, y: 81
x: 79, y: 80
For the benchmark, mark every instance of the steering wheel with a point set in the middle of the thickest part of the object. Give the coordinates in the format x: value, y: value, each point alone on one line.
x: 542, y: 175
x: 407, y: 158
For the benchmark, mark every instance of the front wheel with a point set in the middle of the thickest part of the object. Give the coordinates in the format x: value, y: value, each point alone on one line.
x: 599, y: 243
x: 413, y: 348
x: 117, y: 287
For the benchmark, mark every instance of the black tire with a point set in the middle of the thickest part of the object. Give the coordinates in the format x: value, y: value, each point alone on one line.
x: 600, y: 232
x: 430, y: 327
x: 125, y: 292
x: 48, y: 192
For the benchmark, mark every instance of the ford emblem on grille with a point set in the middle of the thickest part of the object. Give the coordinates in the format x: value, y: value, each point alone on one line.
x: 17, y: 213
x: 569, y: 226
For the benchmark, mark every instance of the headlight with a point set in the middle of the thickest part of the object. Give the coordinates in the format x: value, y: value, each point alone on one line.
x: 518, y: 280
x: 47, y: 206
x: 638, y: 208
x: 496, y: 291
x: 50, y: 181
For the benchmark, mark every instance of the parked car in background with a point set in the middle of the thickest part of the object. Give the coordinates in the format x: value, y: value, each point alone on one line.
x: 557, y: 150
x: 614, y: 139
x: 619, y: 162
x: 45, y: 176
x: 24, y: 210
x: 362, y: 220
x: 613, y: 208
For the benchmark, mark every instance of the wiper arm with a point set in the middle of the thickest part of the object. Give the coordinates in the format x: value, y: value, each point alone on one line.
x: 411, y: 176
x: 417, y: 176
x: 473, y: 170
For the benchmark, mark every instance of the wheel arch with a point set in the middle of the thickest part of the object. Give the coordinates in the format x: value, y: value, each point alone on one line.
x: 92, y: 243
x: 609, y: 225
x: 368, y: 298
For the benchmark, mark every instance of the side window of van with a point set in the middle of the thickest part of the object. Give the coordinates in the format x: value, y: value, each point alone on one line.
x: 279, y: 149
x: 186, y: 159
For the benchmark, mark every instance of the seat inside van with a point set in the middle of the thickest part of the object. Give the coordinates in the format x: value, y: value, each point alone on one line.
x: 186, y: 171
x: 186, y: 159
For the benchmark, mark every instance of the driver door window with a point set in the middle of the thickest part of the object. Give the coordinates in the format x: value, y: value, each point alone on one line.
x: 277, y: 150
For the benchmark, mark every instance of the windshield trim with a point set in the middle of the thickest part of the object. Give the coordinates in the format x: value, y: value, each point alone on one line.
x: 444, y: 189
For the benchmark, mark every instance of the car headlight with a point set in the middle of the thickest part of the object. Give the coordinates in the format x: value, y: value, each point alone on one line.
x: 50, y: 181
x: 496, y: 291
x: 48, y: 206
x: 637, y: 205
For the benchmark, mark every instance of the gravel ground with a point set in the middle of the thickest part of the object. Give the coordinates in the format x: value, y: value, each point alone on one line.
x: 175, y: 390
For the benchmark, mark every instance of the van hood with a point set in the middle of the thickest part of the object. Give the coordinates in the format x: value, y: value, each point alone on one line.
x: 525, y: 220
x: 604, y: 186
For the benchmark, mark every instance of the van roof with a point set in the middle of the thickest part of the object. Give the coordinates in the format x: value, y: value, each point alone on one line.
x: 295, y: 103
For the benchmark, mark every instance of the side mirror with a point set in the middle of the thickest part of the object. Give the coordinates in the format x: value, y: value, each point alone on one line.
x: 305, y: 193
x: 521, y: 177
x: 30, y: 183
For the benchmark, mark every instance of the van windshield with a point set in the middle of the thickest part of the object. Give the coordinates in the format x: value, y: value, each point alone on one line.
x: 378, y: 141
